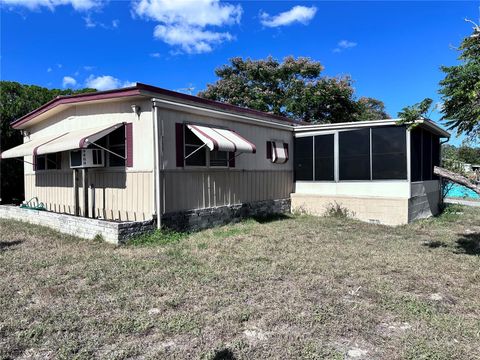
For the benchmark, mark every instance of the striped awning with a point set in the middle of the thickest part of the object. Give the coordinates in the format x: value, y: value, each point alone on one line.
x: 77, y: 139
x: 279, y: 152
x: 222, y: 139
x: 28, y: 148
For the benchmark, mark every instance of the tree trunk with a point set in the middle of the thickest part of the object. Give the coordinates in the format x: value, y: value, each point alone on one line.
x: 456, y: 178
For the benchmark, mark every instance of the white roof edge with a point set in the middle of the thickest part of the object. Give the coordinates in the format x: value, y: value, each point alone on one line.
x: 432, y: 126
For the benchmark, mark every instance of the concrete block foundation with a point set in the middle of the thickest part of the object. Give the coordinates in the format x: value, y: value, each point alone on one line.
x: 112, y: 232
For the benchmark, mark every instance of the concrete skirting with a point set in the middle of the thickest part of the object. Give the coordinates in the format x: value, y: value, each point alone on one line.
x: 378, y: 210
x: 112, y: 232
x: 119, y: 232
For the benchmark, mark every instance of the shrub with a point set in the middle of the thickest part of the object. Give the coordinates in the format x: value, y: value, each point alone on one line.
x: 337, y: 210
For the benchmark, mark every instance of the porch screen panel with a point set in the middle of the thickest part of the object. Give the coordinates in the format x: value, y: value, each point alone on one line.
x: 416, y: 154
x: 303, y: 158
x: 427, y: 156
x: 324, y: 158
x: 354, y: 154
x: 435, y: 154
x: 389, y: 153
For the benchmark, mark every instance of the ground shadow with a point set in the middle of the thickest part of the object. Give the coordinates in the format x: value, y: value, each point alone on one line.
x: 469, y: 243
x: 264, y: 219
x: 224, y: 354
x: 4, y: 245
x: 435, y: 244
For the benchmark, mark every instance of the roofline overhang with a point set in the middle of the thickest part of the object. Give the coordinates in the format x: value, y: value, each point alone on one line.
x: 426, y: 123
x: 148, y: 91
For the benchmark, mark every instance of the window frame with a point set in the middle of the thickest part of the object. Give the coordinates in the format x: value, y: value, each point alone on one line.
x: 119, y: 145
x: 207, y: 150
x: 58, y: 161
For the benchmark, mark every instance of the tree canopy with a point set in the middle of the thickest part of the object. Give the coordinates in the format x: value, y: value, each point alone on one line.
x: 17, y: 100
x: 293, y: 88
x: 461, y: 88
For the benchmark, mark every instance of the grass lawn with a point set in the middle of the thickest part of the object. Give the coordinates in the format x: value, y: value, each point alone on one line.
x: 300, y: 287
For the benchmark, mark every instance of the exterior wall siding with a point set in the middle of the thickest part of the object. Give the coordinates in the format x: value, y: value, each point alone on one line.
x: 196, y: 189
x: 256, y: 134
x: 119, y: 195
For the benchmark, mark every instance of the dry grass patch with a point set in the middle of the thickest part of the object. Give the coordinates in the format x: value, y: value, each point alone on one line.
x: 300, y: 287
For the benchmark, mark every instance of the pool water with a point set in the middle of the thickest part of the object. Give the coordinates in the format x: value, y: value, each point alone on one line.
x: 459, y: 191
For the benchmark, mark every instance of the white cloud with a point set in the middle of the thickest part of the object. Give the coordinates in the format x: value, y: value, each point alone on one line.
x: 88, y: 68
x: 49, y: 69
x: 187, y: 24
x: 79, y: 5
x: 92, y: 23
x: 89, y: 23
x: 191, y: 39
x: 106, y: 82
x: 301, y: 14
x: 344, y: 44
x: 155, y: 55
x: 68, y: 81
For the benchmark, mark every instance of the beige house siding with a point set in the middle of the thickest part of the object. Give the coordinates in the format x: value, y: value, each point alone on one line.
x: 254, y: 178
x: 124, y: 196
x: 212, y: 188
x: 256, y: 134
x: 92, y: 115
x: 119, y: 194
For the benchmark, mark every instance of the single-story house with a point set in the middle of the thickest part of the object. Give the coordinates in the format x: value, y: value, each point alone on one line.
x: 144, y: 153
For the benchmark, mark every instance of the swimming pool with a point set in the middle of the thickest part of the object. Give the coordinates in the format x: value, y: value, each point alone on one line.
x: 459, y: 191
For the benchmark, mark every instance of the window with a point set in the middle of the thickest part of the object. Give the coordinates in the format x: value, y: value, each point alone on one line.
x: 194, y: 146
x: 425, y: 154
x: 354, y: 154
x: 303, y: 158
x: 389, y: 153
x: 416, y: 154
x: 435, y: 154
x: 116, y: 144
x: 324, y: 158
x: 218, y: 158
x: 48, y: 161
x: 201, y: 155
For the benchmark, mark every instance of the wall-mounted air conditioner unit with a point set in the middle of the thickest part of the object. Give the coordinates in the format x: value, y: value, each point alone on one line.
x: 87, y: 158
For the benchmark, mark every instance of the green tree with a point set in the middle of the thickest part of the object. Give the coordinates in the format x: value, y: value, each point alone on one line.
x: 469, y: 154
x: 371, y: 109
x: 293, y: 88
x: 17, y: 100
x: 461, y: 88
x: 409, y: 114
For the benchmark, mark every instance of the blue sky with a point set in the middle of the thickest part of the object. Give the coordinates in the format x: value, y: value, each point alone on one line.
x: 392, y: 50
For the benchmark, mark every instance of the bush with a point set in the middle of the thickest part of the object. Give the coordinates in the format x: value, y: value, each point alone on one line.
x: 337, y: 210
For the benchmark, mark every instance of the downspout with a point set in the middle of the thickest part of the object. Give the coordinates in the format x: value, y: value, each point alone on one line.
x: 158, y: 161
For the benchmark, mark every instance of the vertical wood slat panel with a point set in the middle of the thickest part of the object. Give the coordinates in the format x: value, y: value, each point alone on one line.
x: 202, y: 189
x: 128, y: 194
